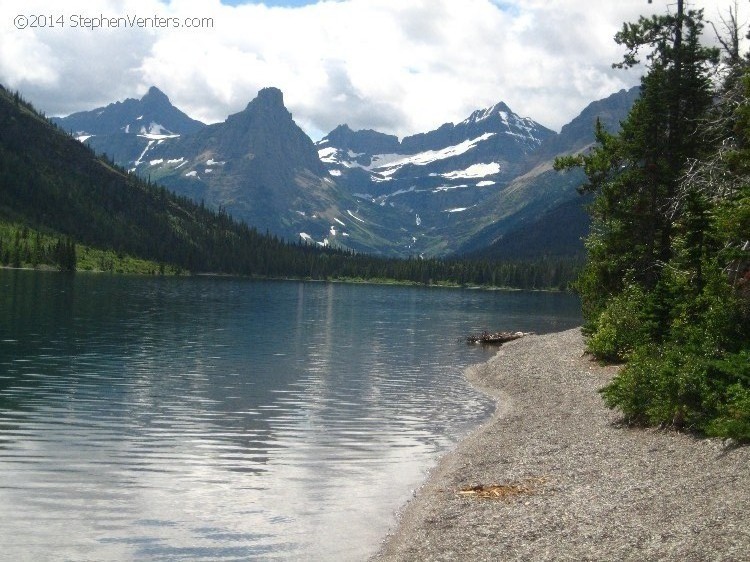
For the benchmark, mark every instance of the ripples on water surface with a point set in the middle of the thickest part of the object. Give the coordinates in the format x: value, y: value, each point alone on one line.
x: 227, y: 419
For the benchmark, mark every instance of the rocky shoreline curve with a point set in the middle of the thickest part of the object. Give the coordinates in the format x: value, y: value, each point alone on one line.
x: 571, y: 483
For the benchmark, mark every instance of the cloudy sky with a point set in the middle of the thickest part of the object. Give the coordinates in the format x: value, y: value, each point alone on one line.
x: 398, y: 66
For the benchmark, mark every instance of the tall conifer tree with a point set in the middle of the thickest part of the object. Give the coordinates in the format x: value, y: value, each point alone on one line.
x: 635, y: 174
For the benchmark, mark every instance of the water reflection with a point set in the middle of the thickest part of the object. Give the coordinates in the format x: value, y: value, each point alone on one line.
x: 228, y: 419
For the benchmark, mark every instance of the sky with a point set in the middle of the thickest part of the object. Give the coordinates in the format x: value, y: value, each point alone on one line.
x: 396, y: 66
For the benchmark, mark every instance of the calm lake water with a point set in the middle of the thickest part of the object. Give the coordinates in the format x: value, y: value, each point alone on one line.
x: 228, y: 419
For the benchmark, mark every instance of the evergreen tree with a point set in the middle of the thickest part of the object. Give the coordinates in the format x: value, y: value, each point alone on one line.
x: 634, y: 175
x: 666, y: 283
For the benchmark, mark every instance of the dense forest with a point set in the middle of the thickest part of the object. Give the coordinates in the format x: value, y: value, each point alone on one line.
x: 62, y: 206
x: 666, y: 286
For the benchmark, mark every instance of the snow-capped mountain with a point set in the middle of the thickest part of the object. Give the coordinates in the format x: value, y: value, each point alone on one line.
x: 429, y: 179
x: 489, y: 142
x: 153, y: 114
x: 126, y: 130
x: 540, y: 210
x: 259, y: 166
x: 459, y: 187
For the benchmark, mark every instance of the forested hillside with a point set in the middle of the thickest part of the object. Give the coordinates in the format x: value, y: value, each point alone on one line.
x: 60, y: 205
x: 52, y: 183
x: 666, y: 287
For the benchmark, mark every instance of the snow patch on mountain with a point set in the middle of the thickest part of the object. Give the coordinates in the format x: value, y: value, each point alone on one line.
x: 382, y: 198
x: 139, y: 160
x: 384, y: 166
x: 445, y: 188
x: 388, y: 164
x: 328, y: 155
x: 474, y: 171
x: 157, y: 137
x: 155, y: 128
x: 355, y: 217
x: 379, y: 179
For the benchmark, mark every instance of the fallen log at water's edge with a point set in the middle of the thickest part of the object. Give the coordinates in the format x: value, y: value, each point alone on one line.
x: 496, y: 337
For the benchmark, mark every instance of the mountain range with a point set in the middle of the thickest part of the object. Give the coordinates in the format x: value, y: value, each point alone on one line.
x: 483, y: 186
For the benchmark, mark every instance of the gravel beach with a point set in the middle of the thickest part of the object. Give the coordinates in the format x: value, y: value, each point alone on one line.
x: 573, y: 484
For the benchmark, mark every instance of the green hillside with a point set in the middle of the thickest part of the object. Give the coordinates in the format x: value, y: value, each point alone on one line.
x: 51, y: 183
x: 62, y: 206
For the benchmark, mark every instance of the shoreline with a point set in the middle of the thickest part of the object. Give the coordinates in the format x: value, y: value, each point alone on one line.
x: 342, y: 281
x: 588, y: 487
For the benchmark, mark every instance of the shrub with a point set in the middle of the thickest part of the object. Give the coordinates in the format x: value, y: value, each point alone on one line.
x: 621, y: 327
x: 684, y: 388
x: 733, y: 418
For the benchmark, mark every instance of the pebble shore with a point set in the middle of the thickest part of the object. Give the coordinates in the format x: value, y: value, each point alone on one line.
x: 581, y: 486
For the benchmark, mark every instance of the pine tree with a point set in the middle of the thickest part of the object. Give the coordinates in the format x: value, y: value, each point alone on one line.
x: 663, y: 288
x: 634, y: 175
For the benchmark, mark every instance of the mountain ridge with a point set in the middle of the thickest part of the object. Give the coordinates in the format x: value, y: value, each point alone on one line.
x: 63, y: 206
x: 153, y: 113
x: 456, y: 188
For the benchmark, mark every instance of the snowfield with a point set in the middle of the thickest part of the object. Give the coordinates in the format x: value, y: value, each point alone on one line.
x: 474, y: 171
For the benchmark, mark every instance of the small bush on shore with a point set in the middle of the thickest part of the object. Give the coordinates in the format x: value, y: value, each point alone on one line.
x: 620, y: 327
x: 733, y: 418
x: 669, y: 385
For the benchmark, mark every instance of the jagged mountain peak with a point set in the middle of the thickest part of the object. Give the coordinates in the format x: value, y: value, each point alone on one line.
x: 258, y: 163
x: 341, y: 129
x: 267, y: 107
x: 155, y: 95
x: 489, y: 141
x: 500, y: 110
x: 364, y: 141
x: 498, y: 119
x: 342, y: 133
x: 268, y: 99
x: 152, y: 113
x: 430, y: 192
x: 262, y: 141
x: 578, y: 133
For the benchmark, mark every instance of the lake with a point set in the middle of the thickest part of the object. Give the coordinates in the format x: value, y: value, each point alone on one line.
x: 229, y: 419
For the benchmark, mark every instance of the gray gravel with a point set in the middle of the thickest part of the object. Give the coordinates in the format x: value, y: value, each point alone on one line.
x: 607, y: 492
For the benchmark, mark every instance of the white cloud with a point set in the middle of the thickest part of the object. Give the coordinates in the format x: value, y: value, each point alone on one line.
x: 398, y: 66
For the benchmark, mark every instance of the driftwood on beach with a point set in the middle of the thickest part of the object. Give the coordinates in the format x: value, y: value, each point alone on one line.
x: 496, y: 337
